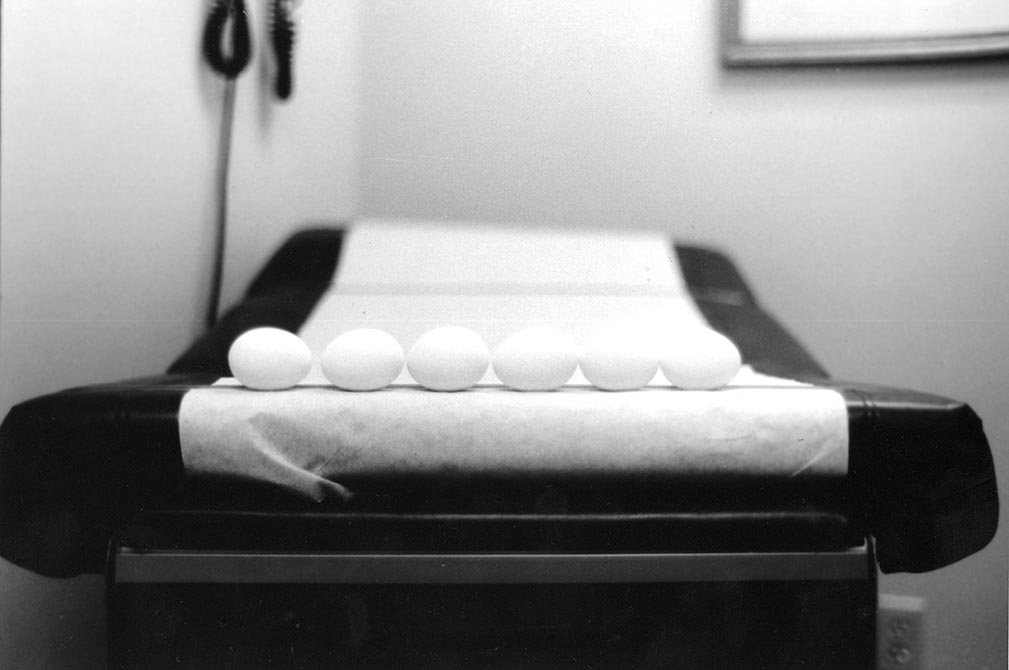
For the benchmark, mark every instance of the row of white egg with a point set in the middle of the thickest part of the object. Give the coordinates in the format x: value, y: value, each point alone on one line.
x: 453, y: 358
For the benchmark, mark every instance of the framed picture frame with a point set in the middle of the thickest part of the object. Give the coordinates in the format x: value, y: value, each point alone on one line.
x: 818, y: 32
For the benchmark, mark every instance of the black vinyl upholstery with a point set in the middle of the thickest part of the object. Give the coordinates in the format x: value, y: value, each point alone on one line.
x: 90, y: 465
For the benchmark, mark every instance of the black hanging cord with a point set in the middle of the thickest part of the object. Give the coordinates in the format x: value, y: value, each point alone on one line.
x: 282, y: 39
x: 229, y: 65
x: 221, y: 189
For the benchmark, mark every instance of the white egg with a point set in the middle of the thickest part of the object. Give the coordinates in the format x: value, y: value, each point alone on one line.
x: 450, y: 358
x: 269, y: 359
x: 699, y: 358
x: 618, y: 359
x: 539, y: 358
x: 366, y: 359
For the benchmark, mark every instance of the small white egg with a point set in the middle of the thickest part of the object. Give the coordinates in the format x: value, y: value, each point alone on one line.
x: 539, y: 358
x: 269, y: 359
x: 450, y: 358
x: 618, y: 360
x: 366, y: 359
x: 699, y: 358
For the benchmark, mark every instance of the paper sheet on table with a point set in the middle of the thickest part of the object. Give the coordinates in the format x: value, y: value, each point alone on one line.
x: 307, y: 439
x: 409, y: 277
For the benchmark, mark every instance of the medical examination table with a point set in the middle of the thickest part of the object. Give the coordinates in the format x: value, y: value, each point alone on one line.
x: 555, y: 561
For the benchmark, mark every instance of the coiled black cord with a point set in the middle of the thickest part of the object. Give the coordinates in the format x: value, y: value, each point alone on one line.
x: 282, y: 38
x: 232, y: 63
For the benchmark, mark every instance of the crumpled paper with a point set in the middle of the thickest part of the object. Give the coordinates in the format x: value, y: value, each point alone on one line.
x: 308, y: 438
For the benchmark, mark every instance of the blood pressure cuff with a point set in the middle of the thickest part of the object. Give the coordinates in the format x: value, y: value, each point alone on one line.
x: 77, y: 466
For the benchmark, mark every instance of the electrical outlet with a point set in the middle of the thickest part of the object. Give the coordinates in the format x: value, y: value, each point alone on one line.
x: 900, y: 633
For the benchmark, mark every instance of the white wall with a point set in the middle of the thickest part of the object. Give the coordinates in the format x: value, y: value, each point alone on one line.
x: 110, y: 127
x: 107, y: 190
x: 868, y: 206
x: 109, y: 138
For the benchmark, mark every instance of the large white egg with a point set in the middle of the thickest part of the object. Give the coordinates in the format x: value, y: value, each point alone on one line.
x: 699, y: 358
x: 618, y: 359
x: 366, y: 359
x: 269, y: 359
x: 450, y: 358
x: 539, y: 358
